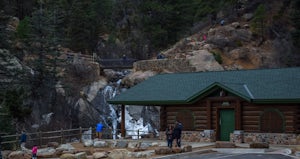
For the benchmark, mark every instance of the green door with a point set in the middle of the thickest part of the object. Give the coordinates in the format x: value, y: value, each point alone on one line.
x: 226, y: 124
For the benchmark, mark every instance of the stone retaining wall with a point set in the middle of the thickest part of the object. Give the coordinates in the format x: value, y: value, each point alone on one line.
x: 193, y: 136
x: 271, y: 138
x: 164, y: 65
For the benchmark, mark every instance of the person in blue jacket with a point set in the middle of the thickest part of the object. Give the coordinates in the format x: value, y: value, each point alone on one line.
x: 99, y: 129
x: 23, y: 140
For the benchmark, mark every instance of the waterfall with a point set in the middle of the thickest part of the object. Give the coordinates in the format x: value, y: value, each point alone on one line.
x: 133, y: 123
x: 109, y: 92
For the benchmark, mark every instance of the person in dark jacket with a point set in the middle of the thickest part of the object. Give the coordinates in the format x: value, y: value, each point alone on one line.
x: 169, y: 135
x: 177, y: 133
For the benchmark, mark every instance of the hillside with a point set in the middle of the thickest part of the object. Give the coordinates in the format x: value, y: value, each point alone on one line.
x: 46, y: 92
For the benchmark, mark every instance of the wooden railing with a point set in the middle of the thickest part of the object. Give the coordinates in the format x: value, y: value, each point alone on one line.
x: 121, y: 63
x: 12, y: 142
x: 117, y: 63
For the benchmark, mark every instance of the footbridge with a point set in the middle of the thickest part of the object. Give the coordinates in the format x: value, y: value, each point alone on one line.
x: 109, y: 63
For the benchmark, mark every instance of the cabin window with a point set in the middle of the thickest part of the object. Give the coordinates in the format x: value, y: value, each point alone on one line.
x: 186, y: 117
x: 272, y: 121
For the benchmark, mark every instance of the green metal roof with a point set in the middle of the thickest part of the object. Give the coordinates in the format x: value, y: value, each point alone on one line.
x: 258, y: 86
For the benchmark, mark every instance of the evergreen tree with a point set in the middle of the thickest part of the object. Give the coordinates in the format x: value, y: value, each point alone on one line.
x: 257, y: 24
x: 296, y: 22
x: 82, y: 29
x: 43, y: 43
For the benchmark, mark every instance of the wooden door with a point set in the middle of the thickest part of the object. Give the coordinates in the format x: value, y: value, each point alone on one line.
x: 226, y: 123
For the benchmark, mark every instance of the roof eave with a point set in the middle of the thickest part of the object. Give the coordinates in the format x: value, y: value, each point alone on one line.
x: 167, y: 102
x: 277, y: 101
x: 213, y: 87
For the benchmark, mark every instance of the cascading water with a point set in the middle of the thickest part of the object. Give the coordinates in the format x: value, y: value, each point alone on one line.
x: 109, y: 92
x: 133, y: 123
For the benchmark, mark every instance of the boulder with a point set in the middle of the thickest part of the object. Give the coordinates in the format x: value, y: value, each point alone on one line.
x: 19, y: 155
x: 100, y: 144
x: 162, y: 150
x: 81, y: 155
x: 202, y: 60
x: 65, y: 147
x: 98, y: 155
x: 176, y: 150
x: 88, y: 143
x: 118, y: 154
x: 53, y: 144
x: 47, y: 152
x: 225, y: 144
x: 121, y: 144
x: 187, y: 148
x: 259, y: 145
x: 67, y: 156
x: 133, y: 145
x: 143, y: 154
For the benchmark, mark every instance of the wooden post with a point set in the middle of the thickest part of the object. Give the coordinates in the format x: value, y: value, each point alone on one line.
x: 138, y: 134
x: 238, y: 116
x: 123, y: 121
x: 61, y: 136
x: 80, y: 134
x: 41, y: 137
x: 208, y: 114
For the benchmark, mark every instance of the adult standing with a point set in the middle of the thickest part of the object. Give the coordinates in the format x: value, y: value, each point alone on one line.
x: 177, y: 133
x: 99, y: 129
x: 169, y: 135
x: 23, y: 140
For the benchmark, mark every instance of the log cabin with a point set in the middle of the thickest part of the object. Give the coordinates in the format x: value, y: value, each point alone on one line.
x: 259, y: 105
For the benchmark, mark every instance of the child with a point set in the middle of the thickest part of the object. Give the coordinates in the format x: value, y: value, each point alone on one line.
x: 34, y: 152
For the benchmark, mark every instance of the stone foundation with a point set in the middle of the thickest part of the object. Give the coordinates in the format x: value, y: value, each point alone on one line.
x: 194, y: 136
x: 239, y: 136
x: 273, y: 138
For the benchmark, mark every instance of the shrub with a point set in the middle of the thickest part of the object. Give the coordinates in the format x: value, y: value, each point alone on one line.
x: 218, y: 57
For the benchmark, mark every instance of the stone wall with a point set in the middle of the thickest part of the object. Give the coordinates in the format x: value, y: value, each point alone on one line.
x: 272, y: 138
x: 164, y: 65
x: 239, y: 137
x: 193, y: 136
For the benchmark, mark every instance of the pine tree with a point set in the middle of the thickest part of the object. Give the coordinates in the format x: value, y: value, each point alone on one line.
x: 43, y: 43
x: 296, y: 22
x: 258, y: 22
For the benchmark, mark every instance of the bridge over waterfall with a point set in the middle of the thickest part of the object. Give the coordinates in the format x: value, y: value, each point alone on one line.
x: 117, y: 63
x: 120, y: 63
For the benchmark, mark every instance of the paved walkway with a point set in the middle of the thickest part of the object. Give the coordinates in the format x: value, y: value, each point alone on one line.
x: 205, y: 151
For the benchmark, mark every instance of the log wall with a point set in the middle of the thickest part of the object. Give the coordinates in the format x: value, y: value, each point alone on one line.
x: 205, y: 115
